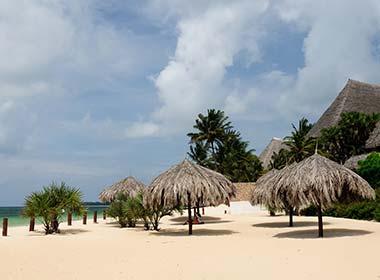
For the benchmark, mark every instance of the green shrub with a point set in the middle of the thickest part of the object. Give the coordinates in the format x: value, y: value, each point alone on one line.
x: 369, y: 169
x: 51, y: 203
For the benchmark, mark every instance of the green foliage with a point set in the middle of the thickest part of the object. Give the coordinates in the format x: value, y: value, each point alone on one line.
x: 369, y: 169
x: 362, y: 210
x: 279, y: 160
x: 348, y: 138
x: 118, y: 210
x: 51, y: 203
x: 129, y: 210
x: 217, y: 146
x: 300, y: 146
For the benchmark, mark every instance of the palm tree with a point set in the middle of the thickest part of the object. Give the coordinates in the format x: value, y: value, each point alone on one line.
x: 349, y: 136
x: 210, y: 129
x: 198, y: 153
x: 300, y: 146
x: 51, y: 203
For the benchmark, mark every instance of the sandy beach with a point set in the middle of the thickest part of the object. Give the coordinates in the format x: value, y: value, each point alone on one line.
x: 242, y: 244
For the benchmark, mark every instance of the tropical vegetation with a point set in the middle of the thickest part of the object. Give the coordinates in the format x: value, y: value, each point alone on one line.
x: 349, y: 136
x: 51, y: 203
x: 128, y: 210
x: 215, y: 144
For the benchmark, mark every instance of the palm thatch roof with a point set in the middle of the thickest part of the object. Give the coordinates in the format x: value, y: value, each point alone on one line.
x: 243, y: 191
x: 189, y: 181
x: 355, y: 97
x: 373, y: 141
x: 315, y: 181
x: 353, y: 162
x: 128, y: 186
x: 275, y: 145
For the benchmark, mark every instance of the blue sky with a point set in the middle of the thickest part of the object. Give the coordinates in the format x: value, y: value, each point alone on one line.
x: 93, y: 91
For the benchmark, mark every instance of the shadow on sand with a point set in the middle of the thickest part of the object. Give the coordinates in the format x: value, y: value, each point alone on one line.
x: 206, y: 219
x: 196, y: 232
x: 286, y: 224
x: 327, y: 233
x: 70, y: 231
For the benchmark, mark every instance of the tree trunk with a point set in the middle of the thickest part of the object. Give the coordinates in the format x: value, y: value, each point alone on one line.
x: 198, y: 210
x: 291, y: 216
x: 31, y: 224
x: 5, y: 226
x: 320, y: 222
x: 69, y: 218
x: 190, y: 219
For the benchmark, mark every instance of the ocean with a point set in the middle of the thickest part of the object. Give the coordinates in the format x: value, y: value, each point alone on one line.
x: 15, y: 218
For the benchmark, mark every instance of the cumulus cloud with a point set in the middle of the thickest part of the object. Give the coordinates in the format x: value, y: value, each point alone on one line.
x: 210, y: 36
x: 339, y: 43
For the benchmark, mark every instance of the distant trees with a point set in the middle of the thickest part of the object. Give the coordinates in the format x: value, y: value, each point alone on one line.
x: 216, y: 145
x: 299, y: 146
x: 52, y: 203
x: 349, y: 136
x: 369, y: 169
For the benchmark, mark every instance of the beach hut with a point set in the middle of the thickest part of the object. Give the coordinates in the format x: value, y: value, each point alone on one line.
x: 275, y: 145
x: 190, y: 185
x: 128, y: 186
x: 267, y: 193
x: 320, y: 182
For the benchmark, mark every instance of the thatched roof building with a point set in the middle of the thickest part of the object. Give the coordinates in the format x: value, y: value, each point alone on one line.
x: 315, y: 181
x: 128, y: 186
x: 189, y: 184
x: 353, y: 162
x: 275, y: 145
x: 373, y: 142
x: 243, y: 191
x: 355, y: 97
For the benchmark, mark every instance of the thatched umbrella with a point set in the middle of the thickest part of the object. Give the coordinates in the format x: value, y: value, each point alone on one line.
x: 267, y: 193
x: 128, y: 186
x: 189, y: 184
x: 320, y: 182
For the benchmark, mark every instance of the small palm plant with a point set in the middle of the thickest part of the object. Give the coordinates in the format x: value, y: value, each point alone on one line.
x: 51, y: 203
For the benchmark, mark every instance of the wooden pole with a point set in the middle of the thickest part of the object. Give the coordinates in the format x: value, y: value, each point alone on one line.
x: 5, y: 226
x: 190, y: 219
x: 95, y: 217
x: 203, y: 210
x: 69, y: 219
x: 291, y: 216
x: 104, y: 214
x: 32, y: 222
x: 85, y: 218
x: 320, y: 222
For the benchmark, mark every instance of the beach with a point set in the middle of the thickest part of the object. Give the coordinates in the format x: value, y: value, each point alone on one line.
x: 244, y: 243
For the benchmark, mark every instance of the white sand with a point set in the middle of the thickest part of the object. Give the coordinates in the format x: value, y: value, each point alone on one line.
x: 250, y: 245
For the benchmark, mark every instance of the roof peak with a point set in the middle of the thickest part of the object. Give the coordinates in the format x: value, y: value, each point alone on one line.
x: 360, y: 83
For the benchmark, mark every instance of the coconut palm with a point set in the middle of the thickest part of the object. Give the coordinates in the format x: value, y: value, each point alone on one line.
x: 51, y: 203
x: 210, y: 128
x: 300, y: 146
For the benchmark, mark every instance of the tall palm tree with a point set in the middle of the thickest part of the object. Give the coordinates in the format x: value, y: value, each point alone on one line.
x: 210, y: 129
x: 300, y: 146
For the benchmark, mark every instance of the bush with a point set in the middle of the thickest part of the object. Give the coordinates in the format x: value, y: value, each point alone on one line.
x: 128, y: 210
x: 369, y: 169
x: 51, y: 203
x: 363, y: 210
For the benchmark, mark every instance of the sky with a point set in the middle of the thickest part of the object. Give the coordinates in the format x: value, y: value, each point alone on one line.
x: 93, y: 91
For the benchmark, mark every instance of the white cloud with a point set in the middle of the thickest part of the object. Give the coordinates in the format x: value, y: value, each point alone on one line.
x: 339, y: 44
x: 209, y: 38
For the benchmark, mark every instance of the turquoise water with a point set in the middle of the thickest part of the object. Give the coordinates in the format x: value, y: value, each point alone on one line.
x: 15, y: 217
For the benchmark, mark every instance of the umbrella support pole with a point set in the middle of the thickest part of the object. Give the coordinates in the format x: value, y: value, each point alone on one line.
x: 291, y: 216
x: 320, y: 222
x: 190, y: 219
